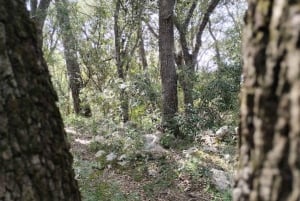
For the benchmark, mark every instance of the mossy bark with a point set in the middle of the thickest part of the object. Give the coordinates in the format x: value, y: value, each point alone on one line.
x: 270, y: 105
x: 36, y: 164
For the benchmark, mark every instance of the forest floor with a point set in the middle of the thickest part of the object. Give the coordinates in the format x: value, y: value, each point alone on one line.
x: 111, y: 165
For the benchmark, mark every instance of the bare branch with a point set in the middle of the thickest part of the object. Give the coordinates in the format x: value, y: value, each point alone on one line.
x: 216, y: 44
x: 151, y: 29
x: 182, y: 27
x: 190, y: 14
x: 213, y: 4
x: 236, y: 24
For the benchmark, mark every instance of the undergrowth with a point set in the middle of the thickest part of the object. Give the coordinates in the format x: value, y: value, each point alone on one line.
x: 151, y: 176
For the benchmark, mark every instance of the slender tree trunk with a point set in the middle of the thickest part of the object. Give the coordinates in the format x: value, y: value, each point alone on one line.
x: 167, y: 62
x: 124, y: 105
x: 270, y: 107
x: 38, y: 12
x: 188, y: 85
x: 70, y: 52
x: 186, y: 80
x: 36, y: 164
x: 217, y: 48
x: 189, y: 63
x: 142, y: 47
x: 120, y: 68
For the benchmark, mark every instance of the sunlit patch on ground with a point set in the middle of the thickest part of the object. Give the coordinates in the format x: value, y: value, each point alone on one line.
x: 85, y: 142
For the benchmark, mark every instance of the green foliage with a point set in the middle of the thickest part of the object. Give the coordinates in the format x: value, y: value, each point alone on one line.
x: 95, y: 146
x: 220, y: 196
x: 107, y: 191
x: 215, y: 93
x: 168, y: 140
x: 189, y: 124
x: 144, y: 99
x: 164, y: 181
x: 213, y: 109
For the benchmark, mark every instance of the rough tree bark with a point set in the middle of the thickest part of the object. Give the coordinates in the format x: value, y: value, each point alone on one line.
x: 70, y: 52
x: 36, y: 164
x: 167, y: 65
x: 270, y: 105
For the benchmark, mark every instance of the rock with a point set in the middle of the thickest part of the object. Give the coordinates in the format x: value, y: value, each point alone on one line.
x: 71, y: 131
x: 211, y: 149
x: 100, y: 153
x: 227, y: 157
x: 222, y: 132
x: 156, y: 152
x: 150, y: 141
x: 152, y: 146
x: 110, y: 157
x: 83, y: 141
x: 220, y: 179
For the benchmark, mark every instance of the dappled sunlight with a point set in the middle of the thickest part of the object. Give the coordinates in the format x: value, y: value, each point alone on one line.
x: 71, y: 131
x: 82, y: 141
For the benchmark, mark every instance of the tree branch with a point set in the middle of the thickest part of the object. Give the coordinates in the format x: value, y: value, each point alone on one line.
x: 42, y: 11
x: 182, y: 28
x: 216, y: 44
x: 213, y: 4
x: 190, y: 14
x: 151, y: 29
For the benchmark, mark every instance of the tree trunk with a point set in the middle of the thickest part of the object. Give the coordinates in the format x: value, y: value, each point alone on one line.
x: 187, y: 69
x: 142, y: 47
x: 38, y: 12
x: 120, y: 64
x: 186, y: 79
x: 70, y: 52
x: 36, y: 164
x: 270, y: 105
x: 167, y: 62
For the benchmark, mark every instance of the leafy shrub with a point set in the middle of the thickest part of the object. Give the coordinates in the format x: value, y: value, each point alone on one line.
x: 168, y: 140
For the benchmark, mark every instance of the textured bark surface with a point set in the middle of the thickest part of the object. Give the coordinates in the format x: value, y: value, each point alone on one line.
x: 35, y: 161
x: 70, y: 52
x: 167, y: 62
x: 270, y: 108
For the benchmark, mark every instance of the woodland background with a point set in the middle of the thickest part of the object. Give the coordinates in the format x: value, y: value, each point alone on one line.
x: 104, y: 60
